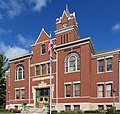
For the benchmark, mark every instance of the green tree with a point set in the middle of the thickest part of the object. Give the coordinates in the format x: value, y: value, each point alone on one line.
x: 3, y: 68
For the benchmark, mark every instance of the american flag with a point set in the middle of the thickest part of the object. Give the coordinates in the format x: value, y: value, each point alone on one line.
x: 50, y: 46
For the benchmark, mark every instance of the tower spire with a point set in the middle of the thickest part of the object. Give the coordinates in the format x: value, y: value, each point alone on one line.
x: 66, y: 7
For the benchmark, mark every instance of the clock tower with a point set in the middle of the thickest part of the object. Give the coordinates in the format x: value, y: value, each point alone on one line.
x: 66, y: 28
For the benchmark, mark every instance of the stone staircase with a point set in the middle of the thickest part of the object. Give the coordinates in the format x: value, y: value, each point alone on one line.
x: 35, y: 111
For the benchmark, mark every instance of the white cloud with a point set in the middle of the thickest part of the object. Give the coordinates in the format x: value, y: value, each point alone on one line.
x: 21, y: 39
x: 24, y: 41
x: 116, y: 27
x: 10, y: 51
x: 4, y: 31
x: 12, y: 7
x: 15, y: 7
x: 39, y: 4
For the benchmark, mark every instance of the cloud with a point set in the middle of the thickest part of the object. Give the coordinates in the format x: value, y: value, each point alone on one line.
x: 15, y: 8
x: 4, y: 31
x: 21, y: 39
x: 10, y: 51
x: 38, y: 4
x: 116, y: 27
x: 24, y: 41
x: 12, y: 7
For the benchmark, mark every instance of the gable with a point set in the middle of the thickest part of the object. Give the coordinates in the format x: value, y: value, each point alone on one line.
x: 43, y: 36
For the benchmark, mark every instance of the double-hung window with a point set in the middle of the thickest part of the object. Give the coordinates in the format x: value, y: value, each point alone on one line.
x: 100, y: 90
x: 109, y: 90
x: 68, y: 90
x: 76, y: 89
x: 17, y: 94
x: 37, y: 69
x: 22, y: 92
x: 43, y: 68
x: 109, y: 64
x: 101, y: 65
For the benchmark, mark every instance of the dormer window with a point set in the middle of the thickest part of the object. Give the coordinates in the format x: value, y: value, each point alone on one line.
x: 65, y: 25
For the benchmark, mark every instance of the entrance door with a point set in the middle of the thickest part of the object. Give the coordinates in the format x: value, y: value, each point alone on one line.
x: 42, y: 97
x: 43, y: 101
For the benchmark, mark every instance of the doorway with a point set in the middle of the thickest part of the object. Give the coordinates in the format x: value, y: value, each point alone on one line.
x: 42, y: 97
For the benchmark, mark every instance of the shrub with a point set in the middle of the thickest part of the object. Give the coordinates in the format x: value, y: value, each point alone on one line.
x: 3, y: 105
x: 91, y: 111
x: 53, y: 112
x: 111, y: 111
x: 16, y: 111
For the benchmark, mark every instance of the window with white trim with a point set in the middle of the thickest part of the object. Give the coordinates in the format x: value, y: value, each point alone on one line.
x: 43, y: 69
x: 76, y: 89
x: 17, y: 94
x: 109, y: 90
x: 101, y: 65
x: 22, y: 93
x: 108, y: 64
x: 100, y: 90
x: 68, y: 90
x: 43, y: 49
x: 37, y: 70
x: 20, y: 72
x: 72, y: 62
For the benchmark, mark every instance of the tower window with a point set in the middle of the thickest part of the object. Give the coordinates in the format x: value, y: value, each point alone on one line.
x: 61, y: 39
x: 64, y: 38
x: 67, y: 38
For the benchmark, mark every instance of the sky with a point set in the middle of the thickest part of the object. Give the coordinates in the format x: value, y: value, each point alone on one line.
x: 21, y: 21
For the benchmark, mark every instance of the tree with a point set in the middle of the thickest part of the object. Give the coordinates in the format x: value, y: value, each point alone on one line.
x: 3, y: 68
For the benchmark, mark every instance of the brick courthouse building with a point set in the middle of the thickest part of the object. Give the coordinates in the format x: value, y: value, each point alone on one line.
x: 82, y: 79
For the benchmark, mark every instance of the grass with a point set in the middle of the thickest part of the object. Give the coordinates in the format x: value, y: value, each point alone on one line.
x: 2, y: 111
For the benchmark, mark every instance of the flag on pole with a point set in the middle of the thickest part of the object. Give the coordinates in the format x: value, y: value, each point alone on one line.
x: 50, y: 48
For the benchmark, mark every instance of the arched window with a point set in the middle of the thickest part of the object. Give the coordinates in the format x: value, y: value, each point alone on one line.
x: 20, y: 72
x: 72, y: 62
x: 43, y: 50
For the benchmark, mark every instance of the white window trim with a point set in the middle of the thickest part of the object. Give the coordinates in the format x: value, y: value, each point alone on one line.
x: 102, y: 83
x: 41, y: 73
x: 107, y: 83
x: 98, y: 67
x: 41, y: 50
x: 15, y: 93
x: 18, y: 73
x: 74, y: 89
x: 69, y: 63
x: 110, y: 57
x: 67, y: 83
x: 36, y: 69
x: 21, y: 93
x: 76, y: 64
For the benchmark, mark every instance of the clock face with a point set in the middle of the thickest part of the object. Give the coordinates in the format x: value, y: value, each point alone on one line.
x: 65, y: 25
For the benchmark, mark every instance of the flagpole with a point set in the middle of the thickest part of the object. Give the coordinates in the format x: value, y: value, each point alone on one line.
x: 50, y: 79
